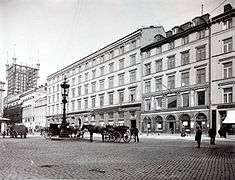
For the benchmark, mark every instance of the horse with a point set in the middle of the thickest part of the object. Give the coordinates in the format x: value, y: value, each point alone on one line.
x: 73, y: 131
x: 94, y: 129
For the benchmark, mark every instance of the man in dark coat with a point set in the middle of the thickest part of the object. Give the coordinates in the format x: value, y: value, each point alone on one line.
x: 212, y: 134
x: 136, y: 132
x: 198, y: 137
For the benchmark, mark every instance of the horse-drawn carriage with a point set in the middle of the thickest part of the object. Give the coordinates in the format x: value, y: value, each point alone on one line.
x: 109, y: 133
x: 54, y: 130
x: 115, y: 134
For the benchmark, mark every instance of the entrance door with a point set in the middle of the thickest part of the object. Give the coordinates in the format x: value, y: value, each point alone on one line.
x: 199, y: 123
x: 133, y: 123
x: 171, y: 127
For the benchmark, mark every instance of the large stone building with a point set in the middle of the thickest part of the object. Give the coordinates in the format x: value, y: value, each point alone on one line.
x: 223, y: 69
x: 160, y: 81
x: 175, y: 79
x: 188, y: 75
x: 105, y: 86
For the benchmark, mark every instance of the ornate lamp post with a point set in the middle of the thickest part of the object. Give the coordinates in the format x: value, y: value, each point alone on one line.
x: 64, y: 91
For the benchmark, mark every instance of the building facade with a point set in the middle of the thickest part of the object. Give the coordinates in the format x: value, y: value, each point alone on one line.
x: 20, y: 78
x: 105, y: 87
x: 175, y: 79
x: 33, y: 108
x: 40, y: 112
x: 223, y: 67
x: 188, y: 76
x: 13, y: 109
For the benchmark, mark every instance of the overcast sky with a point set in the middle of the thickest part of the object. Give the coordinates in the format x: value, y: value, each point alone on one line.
x: 64, y: 31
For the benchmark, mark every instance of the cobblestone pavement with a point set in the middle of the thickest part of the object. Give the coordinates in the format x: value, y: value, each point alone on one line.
x: 151, y: 158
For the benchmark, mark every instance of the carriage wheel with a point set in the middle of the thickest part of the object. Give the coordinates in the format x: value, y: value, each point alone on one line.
x: 126, y: 137
x: 47, y: 135
x: 112, y: 137
x: 106, y: 137
x: 117, y: 136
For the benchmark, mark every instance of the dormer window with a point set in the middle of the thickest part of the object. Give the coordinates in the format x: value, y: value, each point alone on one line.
x: 175, y: 31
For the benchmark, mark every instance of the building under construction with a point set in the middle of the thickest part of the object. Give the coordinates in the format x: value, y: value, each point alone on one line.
x: 20, y: 78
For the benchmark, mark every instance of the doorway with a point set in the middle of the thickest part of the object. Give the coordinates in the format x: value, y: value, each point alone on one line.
x: 133, y: 123
x: 171, y: 127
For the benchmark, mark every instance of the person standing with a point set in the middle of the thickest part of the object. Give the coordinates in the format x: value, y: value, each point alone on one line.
x: 212, y: 134
x: 4, y: 134
x: 198, y: 137
x: 136, y: 136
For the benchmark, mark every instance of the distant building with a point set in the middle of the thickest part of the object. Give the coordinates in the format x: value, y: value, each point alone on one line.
x: 20, y: 78
x: 40, y: 112
x: 33, y: 111
x: 105, y: 86
x: 13, y: 109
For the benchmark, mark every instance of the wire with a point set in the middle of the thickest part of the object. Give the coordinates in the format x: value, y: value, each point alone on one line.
x: 218, y: 6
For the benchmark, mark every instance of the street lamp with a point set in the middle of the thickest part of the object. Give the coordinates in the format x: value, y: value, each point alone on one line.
x: 64, y: 92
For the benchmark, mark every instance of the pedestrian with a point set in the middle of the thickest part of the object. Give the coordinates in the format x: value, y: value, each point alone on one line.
x: 198, y: 137
x: 212, y: 134
x: 183, y: 131
x: 136, y: 136
x: 4, y: 134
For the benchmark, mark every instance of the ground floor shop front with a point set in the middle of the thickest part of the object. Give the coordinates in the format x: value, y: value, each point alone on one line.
x: 224, y: 117
x: 175, y: 122
x: 116, y: 116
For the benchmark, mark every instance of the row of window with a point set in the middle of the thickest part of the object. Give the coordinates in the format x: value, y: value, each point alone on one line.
x: 200, y: 55
x: 94, y: 74
x: 200, y: 75
x: 83, y: 103
x: 227, y: 43
x: 121, y: 81
x: 171, y: 45
x: 182, y: 100
x: 95, y: 61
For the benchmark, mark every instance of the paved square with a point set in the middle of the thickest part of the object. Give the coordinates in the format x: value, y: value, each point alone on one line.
x: 38, y: 158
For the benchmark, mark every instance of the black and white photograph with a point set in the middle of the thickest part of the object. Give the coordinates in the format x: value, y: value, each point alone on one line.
x: 117, y: 89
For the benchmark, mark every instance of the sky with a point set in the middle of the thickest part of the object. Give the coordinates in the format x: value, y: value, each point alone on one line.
x: 57, y: 33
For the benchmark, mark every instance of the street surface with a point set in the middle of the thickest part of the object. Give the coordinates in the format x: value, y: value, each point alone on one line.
x: 151, y: 158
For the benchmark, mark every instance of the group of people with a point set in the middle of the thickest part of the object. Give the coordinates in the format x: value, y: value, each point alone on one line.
x: 211, y: 132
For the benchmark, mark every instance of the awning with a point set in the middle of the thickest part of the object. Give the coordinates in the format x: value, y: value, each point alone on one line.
x: 4, y: 119
x: 230, y: 118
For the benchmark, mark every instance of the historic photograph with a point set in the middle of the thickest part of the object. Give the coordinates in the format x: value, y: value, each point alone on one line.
x: 117, y: 89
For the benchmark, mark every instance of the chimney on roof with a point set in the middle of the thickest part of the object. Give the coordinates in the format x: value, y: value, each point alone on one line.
x: 227, y: 7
